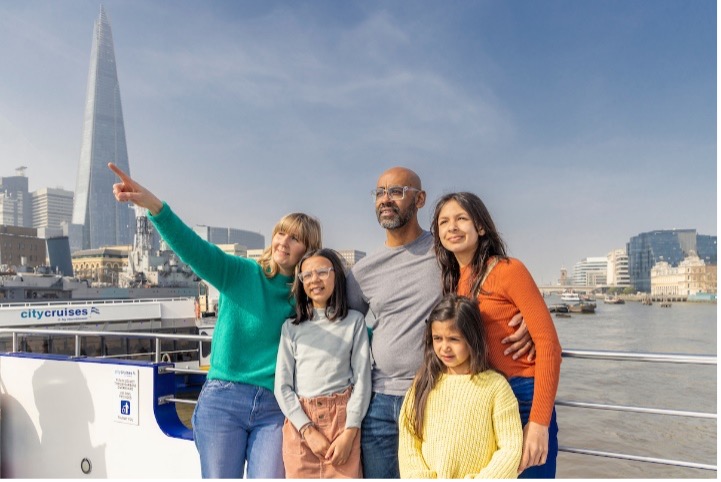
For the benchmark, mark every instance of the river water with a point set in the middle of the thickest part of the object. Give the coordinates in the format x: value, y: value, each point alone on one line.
x: 688, y: 328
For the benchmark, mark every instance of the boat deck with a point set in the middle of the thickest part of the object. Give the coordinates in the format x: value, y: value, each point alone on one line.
x: 116, y: 410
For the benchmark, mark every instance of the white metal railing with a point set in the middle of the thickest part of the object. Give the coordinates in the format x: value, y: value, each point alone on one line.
x: 585, y: 354
x: 677, y: 358
x: 674, y: 358
x: 78, y: 334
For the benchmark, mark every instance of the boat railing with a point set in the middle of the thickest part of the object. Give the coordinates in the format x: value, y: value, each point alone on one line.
x: 672, y: 358
x: 79, y: 334
x: 165, y: 353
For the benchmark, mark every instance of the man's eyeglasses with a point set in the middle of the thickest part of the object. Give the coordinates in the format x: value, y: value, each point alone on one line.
x: 322, y: 273
x: 395, y: 193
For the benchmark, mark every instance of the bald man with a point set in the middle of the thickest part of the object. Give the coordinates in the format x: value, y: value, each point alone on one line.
x: 399, y: 283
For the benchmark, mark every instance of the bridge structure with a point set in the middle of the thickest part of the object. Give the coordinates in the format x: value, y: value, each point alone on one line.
x: 558, y: 289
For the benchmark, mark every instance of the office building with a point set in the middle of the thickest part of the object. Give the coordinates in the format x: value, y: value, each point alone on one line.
x: 9, y: 211
x: 230, y: 236
x: 20, y: 246
x: 255, y: 253
x: 59, y: 257
x: 51, y: 207
x: 351, y: 256
x: 105, y: 222
x: 74, y: 233
x: 590, y: 271
x: 672, y: 246
x: 15, y: 200
x: 706, y: 248
x: 617, y: 271
x: 235, y: 249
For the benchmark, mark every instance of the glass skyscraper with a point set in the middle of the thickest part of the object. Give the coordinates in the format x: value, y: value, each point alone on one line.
x: 672, y: 246
x: 15, y: 209
x: 105, y: 221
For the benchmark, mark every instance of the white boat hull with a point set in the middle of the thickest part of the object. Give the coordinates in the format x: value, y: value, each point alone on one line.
x: 62, y: 416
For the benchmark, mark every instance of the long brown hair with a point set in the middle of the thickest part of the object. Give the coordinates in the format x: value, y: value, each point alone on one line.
x: 465, y: 315
x: 489, y: 244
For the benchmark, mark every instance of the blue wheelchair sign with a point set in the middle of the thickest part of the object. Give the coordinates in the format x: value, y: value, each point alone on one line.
x: 125, y: 407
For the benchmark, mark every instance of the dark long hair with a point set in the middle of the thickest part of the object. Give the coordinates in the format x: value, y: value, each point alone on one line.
x: 337, y: 307
x: 465, y: 315
x: 490, y: 244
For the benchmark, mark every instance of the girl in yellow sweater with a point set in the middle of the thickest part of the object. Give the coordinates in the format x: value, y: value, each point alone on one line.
x: 460, y: 418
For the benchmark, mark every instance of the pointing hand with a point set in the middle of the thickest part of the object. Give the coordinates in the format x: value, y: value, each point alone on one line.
x: 128, y: 190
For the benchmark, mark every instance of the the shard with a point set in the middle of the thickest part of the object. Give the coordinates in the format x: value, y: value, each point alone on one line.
x: 105, y: 221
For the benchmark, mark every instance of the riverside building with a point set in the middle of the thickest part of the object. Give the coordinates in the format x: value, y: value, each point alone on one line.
x: 671, y: 246
x: 691, y: 277
x: 590, y: 271
x: 617, y: 270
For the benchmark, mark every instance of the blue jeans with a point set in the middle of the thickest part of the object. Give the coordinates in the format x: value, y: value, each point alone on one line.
x: 234, y: 423
x: 379, y: 437
x: 523, y: 389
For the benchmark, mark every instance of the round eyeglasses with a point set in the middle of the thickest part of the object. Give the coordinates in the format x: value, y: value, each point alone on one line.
x: 321, y: 273
x: 395, y: 193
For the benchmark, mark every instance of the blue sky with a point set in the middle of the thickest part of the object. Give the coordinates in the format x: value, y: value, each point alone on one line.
x: 580, y: 124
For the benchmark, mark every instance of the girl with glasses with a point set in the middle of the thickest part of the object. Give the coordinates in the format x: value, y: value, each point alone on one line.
x: 323, y: 374
x: 237, y: 420
x: 460, y: 418
x: 474, y: 263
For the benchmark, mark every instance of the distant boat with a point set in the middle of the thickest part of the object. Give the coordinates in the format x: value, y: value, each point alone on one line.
x: 561, y: 308
x: 586, y: 308
x: 613, y: 300
x: 570, y: 297
x: 563, y: 315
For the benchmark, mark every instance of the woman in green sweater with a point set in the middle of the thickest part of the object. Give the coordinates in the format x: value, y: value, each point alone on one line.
x: 237, y: 418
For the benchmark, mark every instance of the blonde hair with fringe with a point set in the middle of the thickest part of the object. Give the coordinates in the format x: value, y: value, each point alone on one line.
x: 302, y: 226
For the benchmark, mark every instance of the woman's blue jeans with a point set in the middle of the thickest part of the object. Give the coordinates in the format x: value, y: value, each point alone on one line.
x: 234, y: 423
x: 523, y: 389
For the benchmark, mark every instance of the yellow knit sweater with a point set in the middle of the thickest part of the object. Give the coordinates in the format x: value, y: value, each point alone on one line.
x: 471, y: 429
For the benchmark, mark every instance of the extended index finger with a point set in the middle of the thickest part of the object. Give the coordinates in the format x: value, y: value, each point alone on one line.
x: 119, y: 172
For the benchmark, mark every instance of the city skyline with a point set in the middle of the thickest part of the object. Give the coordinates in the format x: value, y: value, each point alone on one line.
x: 579, y: 124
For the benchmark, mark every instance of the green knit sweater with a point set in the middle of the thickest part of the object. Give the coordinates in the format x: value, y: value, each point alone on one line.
x: 251, y: 309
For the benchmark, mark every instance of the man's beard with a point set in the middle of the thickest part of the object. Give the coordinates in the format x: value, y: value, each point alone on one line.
x: 399, y: 218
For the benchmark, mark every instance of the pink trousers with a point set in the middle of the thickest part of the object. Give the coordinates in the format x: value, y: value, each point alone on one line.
x: 328, y: 414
